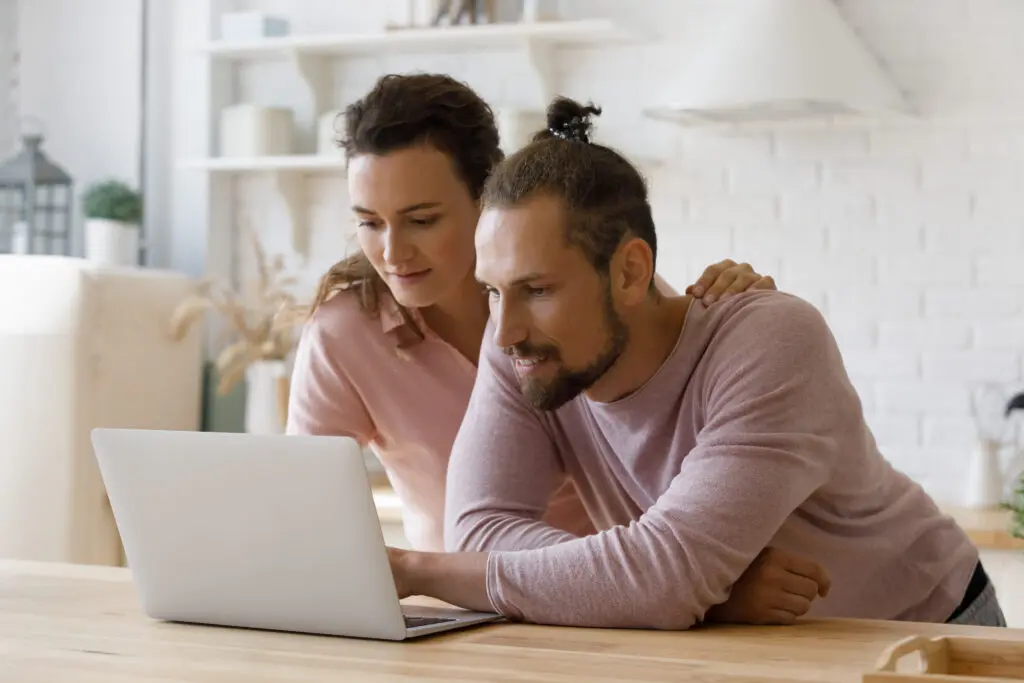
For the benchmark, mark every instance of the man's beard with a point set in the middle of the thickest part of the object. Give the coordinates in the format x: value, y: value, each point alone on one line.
x: 568, y: 384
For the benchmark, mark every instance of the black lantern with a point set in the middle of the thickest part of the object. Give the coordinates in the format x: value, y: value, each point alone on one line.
x: 35, y: 203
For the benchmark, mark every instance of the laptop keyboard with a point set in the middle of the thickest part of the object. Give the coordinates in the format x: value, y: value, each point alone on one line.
x: 414, y: 622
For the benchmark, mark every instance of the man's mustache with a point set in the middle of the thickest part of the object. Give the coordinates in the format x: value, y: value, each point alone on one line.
x: 528, y: 351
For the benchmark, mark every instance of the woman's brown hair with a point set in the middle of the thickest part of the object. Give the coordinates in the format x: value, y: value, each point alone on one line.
x: 402, y: 111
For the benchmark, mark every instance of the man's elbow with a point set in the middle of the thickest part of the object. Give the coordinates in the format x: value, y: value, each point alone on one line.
x: 682, y: 622
x: 672, y: 612
x: 663, y: 615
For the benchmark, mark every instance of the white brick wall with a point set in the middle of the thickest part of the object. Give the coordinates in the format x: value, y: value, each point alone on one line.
x: 908, y: 235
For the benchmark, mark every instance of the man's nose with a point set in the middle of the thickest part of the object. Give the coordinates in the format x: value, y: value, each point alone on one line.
x: 509, y: 329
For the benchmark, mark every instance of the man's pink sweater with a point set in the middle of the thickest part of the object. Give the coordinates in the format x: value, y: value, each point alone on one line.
x: 749, y: 435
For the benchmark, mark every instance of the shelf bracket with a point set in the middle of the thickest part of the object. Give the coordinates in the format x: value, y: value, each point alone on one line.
x: 290, y: 189
x: 316, y: 74
x: 541, y: 58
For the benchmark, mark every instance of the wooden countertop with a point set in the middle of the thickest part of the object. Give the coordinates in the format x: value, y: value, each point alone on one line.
x: 988, y: 529
x: 78, y: 623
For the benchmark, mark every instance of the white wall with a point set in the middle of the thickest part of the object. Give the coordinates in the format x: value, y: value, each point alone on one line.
x: 8, y: 77
x: 80, y: 79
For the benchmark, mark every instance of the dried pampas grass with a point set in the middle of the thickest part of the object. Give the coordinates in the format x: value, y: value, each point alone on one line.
x: 260, y: 325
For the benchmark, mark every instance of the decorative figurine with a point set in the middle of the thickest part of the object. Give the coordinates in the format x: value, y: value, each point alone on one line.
x: 473, y: 9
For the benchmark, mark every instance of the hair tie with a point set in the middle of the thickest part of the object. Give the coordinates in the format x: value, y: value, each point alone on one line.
x: 573, y: 129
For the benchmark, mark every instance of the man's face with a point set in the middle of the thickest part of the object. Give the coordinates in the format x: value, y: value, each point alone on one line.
x: 552, y: 312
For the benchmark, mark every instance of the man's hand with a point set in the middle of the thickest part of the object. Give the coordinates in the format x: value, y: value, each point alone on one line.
x: 459, y: 579
x: 725, y: 278
x: 776, y: 588
x: 400, y: 571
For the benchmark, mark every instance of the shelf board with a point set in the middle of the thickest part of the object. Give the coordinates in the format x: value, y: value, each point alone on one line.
x: 298, y: 162
x: 440, y: 39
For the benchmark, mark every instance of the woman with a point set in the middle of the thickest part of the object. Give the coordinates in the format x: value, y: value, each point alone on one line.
x: 389, y: 353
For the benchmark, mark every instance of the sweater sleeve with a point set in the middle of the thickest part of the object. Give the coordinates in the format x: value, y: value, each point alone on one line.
x: 777, y: 402
x: 322, y: 399
x: 503, y: 469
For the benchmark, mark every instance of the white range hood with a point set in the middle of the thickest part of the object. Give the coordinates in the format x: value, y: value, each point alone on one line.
x: 779, y: 60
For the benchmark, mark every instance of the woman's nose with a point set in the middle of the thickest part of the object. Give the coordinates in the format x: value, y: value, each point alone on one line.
x: 396, y: 249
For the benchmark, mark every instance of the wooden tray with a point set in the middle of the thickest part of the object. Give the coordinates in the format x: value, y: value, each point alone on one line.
x: 951, y: 659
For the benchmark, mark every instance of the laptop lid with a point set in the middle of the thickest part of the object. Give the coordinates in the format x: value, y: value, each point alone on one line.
x: 273, y: 532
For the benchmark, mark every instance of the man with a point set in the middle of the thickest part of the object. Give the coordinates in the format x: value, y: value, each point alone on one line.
x: 696, y: 436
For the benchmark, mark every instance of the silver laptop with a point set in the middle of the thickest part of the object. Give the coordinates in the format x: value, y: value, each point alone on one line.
x: 268, y: 532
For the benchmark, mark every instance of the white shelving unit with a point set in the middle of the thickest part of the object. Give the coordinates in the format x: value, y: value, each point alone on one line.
x: 287, y: 172
x: 311, y: 56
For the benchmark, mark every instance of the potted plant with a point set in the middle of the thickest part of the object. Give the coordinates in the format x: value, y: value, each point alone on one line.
x: 260, y: 337
x: 1016, y: 504
x: 113, y: 212
x: 1016, y: 508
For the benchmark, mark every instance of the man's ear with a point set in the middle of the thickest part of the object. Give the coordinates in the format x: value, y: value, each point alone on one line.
x: 632, y: 270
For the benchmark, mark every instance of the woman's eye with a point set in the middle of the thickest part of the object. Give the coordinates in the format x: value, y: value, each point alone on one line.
x: 367, y: 224
x: 537, y: 291
x: 428, y: 220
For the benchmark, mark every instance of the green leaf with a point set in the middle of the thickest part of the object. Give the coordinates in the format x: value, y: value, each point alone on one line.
x: 113, y: 200
x: 1016, y: 506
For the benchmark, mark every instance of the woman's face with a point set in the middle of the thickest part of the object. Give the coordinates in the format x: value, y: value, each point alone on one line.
x: 416, y: 222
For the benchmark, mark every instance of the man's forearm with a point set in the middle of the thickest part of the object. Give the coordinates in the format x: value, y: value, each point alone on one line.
x: 459, y: 579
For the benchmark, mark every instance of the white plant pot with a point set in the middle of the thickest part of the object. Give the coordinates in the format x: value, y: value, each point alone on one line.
x: 265, y: 380
x: 111, y: 243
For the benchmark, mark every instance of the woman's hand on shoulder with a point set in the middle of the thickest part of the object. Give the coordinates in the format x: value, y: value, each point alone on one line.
x: 725, y: 278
